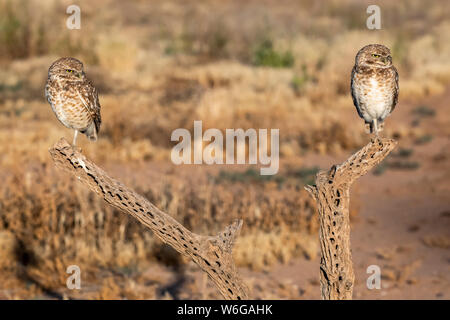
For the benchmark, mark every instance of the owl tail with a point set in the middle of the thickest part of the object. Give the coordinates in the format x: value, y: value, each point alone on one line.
x: 91, y: 132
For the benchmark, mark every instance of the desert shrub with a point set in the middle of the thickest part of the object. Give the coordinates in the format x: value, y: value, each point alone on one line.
x: 22, y: 34
x: 265, y: 55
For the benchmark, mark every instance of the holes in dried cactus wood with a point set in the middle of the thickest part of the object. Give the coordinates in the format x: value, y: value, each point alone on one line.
x: 150, y: 214
x: 332, y: 240
x: 229, y: 290
x: 207, y: 262
x: 218, y: 264
x: 348, y: 285
x: 337, y: 202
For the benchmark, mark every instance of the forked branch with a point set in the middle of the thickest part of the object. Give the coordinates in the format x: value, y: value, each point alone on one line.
x: 213, y: 254
x: 332, y: 194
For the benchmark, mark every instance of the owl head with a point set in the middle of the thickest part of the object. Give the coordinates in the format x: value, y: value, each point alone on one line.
x: 375, y: 56
x: 69, y: 69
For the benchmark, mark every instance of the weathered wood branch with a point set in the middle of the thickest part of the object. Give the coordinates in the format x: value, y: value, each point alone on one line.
x: 332, y: 194
x: 213, y: 254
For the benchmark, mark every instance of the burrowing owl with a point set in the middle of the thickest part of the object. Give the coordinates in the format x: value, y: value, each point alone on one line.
x: 73, y: 98
x: 374, y: 85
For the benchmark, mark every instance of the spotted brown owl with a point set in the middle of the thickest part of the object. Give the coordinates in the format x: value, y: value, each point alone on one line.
x: 73, y: 98
x: 374, y: 85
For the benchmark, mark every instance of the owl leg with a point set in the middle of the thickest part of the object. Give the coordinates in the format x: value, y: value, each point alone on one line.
x: 75, y: 138
x: 375, y: 127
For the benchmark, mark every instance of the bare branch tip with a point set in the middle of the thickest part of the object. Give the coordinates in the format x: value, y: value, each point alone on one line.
x: 312, y: 189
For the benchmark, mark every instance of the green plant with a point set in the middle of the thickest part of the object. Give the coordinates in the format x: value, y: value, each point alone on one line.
x: 266, y: 56
x: 424, y: 139
x: 306, y: 175
x: 299, y: 82
x: 403, y: 153
x: 14, y: 34
x: 21, y: 33
x: 250, y: 175
x: 424, y: 111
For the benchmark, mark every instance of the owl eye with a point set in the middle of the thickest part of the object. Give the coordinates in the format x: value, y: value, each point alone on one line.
x: 375, y: 55
x: 69, y: 71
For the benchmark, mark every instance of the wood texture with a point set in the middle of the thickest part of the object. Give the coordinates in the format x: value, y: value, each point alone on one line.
x: 332, y: 194
x: 213, y: 254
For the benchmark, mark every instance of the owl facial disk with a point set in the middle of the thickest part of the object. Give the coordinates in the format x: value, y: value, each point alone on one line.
x: 374, y: 55
x: 67, y: 69
x: 377, y: 60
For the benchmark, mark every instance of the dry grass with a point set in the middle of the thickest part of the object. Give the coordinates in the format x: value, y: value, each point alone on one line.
x: 159, y: 67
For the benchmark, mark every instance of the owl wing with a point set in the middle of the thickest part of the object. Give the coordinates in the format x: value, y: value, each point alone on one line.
x: 396, y: 89
x: 89, y: 97
x: 352, y: 86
